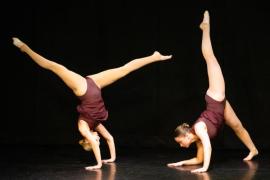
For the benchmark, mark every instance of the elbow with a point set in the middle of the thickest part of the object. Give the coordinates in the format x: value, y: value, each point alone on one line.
x: 199, y: 160
x: 208, y: 149
x: 110, y: 139
x: 93, y: 141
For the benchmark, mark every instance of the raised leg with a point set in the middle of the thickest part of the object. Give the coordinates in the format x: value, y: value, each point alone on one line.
x: 216, y: 81
x: 107, y: 77
x: 76, y: 82
x: 233, y: 121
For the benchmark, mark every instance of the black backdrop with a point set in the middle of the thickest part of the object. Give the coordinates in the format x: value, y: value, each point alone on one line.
x: 145, y: 106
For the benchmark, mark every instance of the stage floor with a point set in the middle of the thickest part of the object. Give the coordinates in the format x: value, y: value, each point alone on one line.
x: 50, y: 162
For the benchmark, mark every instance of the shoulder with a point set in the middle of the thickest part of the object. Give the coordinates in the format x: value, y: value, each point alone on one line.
x: 200, y: 126
x: 201, y: 131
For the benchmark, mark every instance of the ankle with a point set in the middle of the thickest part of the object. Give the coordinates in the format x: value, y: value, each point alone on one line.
x: 254, y: 150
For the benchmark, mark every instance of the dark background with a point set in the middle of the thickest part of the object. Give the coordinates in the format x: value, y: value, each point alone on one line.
x: 145, y: 106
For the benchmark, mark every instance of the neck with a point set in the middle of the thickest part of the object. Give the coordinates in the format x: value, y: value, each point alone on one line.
x: 194, y: 137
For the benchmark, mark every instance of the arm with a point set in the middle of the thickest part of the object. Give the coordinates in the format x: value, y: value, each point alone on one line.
x: 201, y: 132
x: 111, y: 145
x: 193, y: 161
x: 95, y: 146
x: 110, y: 141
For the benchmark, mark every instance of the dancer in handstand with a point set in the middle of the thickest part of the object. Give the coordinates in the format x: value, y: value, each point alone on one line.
x: 88, y: 89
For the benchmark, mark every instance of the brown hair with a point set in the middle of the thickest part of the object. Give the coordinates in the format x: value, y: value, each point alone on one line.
x: 85, y: 144
x: 182, y: 129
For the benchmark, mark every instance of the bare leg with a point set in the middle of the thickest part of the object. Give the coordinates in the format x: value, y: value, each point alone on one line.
x: 86, y: 133
x: 233, y: 121
x: 107, y: 77
x: 110, y: 141
x: 76, y: 82
x: 216, y: 81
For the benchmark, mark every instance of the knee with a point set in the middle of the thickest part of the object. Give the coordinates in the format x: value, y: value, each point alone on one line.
x: 125, y: 69
x: 57, y: 67
x: 208, y: 53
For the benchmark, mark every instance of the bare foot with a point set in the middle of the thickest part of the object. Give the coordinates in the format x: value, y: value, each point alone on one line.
x: 85, y: 144
x: 18, y: 43
x: 251, y: 155
x: 206, y: 20
x: 159, y: 56
x: 93, y: 167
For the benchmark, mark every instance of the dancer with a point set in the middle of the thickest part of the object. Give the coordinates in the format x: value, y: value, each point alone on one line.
x: 88, y: 89
x: 218, y: 110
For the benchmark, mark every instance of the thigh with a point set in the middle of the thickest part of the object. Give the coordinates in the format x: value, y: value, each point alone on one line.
x: 108, y: 77
x: 230, y: 117
x: 216, y: 80
x: 74, y: 81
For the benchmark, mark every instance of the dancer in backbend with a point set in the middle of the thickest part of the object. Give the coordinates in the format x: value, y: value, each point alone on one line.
x: 218, y: 110
x: 88, y: 89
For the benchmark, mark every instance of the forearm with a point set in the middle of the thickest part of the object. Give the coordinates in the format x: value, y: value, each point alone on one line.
x: 96, y: 151
x: 207, y: 156
x: 192, y: 161
x: 111, y: 146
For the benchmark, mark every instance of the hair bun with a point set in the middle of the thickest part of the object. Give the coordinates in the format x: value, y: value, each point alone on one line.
x: 186, y: 125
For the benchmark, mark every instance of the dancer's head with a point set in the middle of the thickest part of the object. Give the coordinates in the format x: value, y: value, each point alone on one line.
x: 87, y: 146
x: 183, y: 135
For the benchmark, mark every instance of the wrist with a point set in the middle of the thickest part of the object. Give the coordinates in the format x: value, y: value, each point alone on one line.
x: 205, y: 168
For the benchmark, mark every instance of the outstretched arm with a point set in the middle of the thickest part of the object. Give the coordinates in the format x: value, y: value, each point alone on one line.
x: 201, y: 132
x: 193, y: 161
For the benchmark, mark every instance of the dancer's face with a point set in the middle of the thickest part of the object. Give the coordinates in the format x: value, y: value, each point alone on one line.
x: 184, y: 140
x: 96, y: 137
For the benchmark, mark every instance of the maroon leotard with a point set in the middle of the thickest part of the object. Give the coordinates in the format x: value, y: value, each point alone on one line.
x: 92, y: 108
x: 213, y: 116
